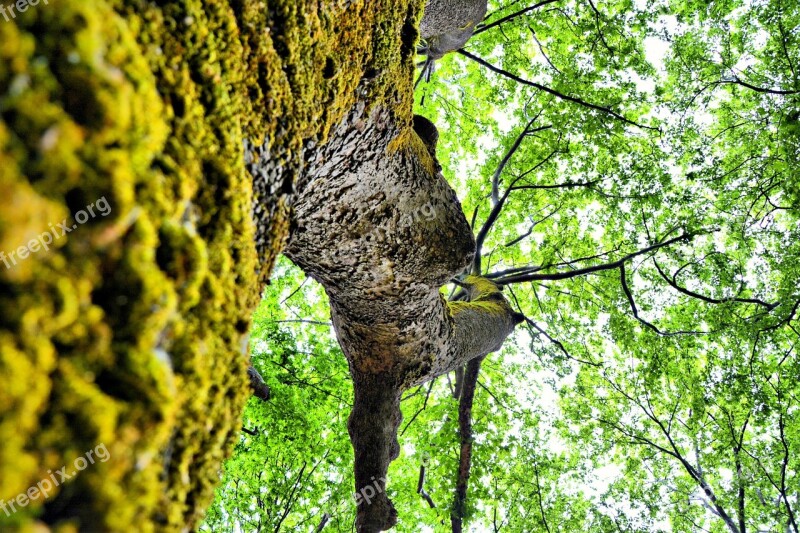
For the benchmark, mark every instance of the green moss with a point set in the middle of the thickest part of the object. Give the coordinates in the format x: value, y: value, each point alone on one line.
x: 129, y: 331
x: 483, y: 295
x: 410, y: 142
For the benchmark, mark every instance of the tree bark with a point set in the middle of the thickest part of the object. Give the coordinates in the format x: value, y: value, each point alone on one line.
x: 373, y: 427
x: 178, y: 115
x: 378, y: 226
x: 258, y: 385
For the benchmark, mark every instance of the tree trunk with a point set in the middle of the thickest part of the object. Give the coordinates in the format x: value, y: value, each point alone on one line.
x: 465, y: 436
x: 377, y: 225
x: 131, y: 331
x: 373, y: 427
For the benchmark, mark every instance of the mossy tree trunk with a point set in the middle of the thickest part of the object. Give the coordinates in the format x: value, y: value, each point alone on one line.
x: 131, y: 330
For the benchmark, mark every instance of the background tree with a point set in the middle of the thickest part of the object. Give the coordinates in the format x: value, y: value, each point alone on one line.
x: 642, y: 209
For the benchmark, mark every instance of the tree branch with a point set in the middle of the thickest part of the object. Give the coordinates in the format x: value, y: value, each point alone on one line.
x: 303, y: 321
x: 784, y: 464
x: 465, y: 434
x: 559, y: 344
x: 567, y: 185
x: 424, y: 405
x: 555, y: 93
x: 628, y: 294
x: 674, y: 284
x: 322, y: 523
x: 541, y: 51
x: 693, y: 472
x: 738, y: 81
x: 514, y: 147
x: 520, y: 278
x: 497, y: 208
x: 512, y: 16
x: 421, y: 487
x: 539, y: 494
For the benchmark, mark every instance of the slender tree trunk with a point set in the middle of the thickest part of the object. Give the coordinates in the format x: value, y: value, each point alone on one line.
x: 465, y: 434
x: 373, y: 427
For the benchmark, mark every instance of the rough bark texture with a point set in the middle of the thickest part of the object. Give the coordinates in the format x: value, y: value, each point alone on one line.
x: 447, y: 25
x: 445, y: 16
x: 377, y: 225
x: 258, y: 385
x: 131, y: 330
x: 373, y: 428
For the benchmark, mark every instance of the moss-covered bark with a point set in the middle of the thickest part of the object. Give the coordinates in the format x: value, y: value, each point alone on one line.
x: 131, y: 330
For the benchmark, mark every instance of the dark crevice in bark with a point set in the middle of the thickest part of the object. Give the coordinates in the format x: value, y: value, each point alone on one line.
x: 274, y: 171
